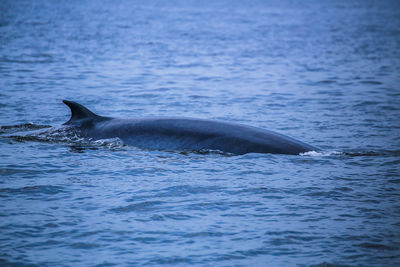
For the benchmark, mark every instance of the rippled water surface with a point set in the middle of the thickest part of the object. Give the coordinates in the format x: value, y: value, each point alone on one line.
x: 323, y: 72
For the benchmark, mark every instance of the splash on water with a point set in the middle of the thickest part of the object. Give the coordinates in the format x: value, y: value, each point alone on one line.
x: 321, y: 153
x: 30, y: 132
x: 29, y: 126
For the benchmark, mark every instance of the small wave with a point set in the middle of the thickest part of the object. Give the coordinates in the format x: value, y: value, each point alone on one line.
x: 373, y: 82
x: 53, y: 135
x: 29, y: 190
x: 326, y: 82
x: 62, y: 134
x: 142, y: 206
x: 373, y: 153
x: 377, y: 246
x: 170, y: 261
x: 327, y: 264
x: 4, y: 262
x: 8, y: 129
x: 81, y: 245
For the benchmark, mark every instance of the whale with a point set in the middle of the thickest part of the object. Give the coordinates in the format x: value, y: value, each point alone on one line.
x: 182, y: 134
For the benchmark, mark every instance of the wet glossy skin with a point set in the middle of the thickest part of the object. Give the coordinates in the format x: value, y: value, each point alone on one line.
x: 184, y: 134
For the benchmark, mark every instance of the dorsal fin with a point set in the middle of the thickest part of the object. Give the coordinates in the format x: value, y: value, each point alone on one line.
x: 78, y: 112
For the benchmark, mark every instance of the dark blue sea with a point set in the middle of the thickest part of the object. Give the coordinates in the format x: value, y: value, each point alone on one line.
x: 324, y: 72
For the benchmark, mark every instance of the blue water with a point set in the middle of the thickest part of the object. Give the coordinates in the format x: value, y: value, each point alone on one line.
x: 323, y: 72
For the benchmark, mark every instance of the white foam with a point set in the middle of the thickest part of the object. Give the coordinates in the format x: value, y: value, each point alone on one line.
x: 109, y: 143
x: 320, y: 153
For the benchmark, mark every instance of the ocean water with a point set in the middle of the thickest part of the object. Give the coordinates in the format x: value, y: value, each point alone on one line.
x: 323, y: 72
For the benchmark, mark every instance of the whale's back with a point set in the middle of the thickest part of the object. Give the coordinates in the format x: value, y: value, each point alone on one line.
x: 197, y: 134
x: 183, y: 133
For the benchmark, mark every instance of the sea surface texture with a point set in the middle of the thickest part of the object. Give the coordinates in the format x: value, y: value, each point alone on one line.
x: 324, y: 72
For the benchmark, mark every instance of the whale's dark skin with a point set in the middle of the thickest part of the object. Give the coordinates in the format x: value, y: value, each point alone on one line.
x: 183, y: 134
